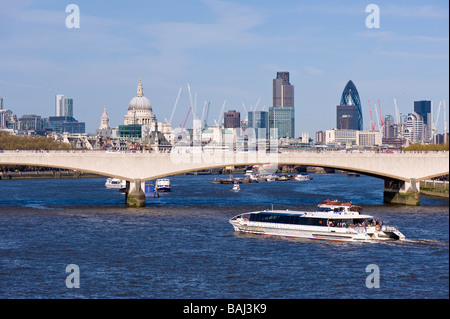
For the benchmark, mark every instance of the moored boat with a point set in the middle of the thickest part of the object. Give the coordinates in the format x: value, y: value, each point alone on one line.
x: 302, y: 177
x: 333, y: 220
x: 162, y: 185
x: 115, y: 183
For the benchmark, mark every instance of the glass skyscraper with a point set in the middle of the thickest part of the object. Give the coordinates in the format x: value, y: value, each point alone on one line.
x: 281, y: 119
x: 423, y: 108
x: 349, y: 112
x: 282, y: 113
x: 63, y: 106
x: 259, y: 121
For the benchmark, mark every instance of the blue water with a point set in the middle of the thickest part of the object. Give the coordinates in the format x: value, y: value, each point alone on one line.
x: 182, y: 246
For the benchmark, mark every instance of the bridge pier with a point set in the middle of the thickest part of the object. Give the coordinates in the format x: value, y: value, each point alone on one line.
x: 402, y: 192
x: 135, y: 196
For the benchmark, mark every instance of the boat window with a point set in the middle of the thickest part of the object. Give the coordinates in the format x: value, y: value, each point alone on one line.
x: 287, y: 219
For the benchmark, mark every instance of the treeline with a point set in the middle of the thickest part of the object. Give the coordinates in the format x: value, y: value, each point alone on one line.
x: 12, y: 142
x: 427, y: 147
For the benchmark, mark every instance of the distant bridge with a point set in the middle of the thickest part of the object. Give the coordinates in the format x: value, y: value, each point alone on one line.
x: 402, y: 172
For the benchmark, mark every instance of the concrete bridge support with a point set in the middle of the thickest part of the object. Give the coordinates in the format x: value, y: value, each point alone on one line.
x: 402, y: 192
x: 135, y: 196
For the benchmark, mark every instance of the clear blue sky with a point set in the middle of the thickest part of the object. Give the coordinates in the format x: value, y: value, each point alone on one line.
x: 226, y: 50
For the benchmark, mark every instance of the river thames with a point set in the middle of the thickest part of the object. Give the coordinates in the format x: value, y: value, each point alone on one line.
x: 182, y: 246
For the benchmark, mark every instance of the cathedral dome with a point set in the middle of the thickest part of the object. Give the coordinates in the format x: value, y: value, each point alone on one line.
x: 140, y: 102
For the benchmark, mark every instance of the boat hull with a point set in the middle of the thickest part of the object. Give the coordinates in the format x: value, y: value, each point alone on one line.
x: 312, y: 232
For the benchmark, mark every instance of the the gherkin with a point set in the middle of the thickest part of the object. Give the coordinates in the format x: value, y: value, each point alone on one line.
x: 350, y: 96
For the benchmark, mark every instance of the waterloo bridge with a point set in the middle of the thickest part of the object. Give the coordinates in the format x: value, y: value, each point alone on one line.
x: 402, y: 172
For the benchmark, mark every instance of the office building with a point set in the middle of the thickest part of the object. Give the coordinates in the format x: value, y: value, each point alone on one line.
x: 353, y: 137
x: 32, y: 122
x: 258, y: 124
x: 281, y: 122
x: 389, y: 128
x: 66, y: 124
x: 423, y: 108
x: 282, y: 112
x: 414, y: 128
x: 283, y: 91
x: 349, y: 112
x: 231, y: 119
x: 63, y: 106
x: 320, y: 137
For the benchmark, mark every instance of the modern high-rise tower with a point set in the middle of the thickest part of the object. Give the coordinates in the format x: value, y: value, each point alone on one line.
x: 423, y: 108
x: 349, y: 112
x: 63, y: 106
x: 283, y: 91
x: 282, y: 113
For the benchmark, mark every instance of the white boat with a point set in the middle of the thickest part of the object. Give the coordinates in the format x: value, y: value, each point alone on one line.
x: 162, y: 185
x: 333, y: 220
x: 236, y: 187
x: 302, y: 177
x: 115, y: 183
x: 271, y: 178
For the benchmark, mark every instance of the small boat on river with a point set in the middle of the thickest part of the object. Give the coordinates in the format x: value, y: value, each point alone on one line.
x: 333, y: 220
x: 302, y: 177
x: 236, y: 187
x: 162, y: 185
x: 115, y: 183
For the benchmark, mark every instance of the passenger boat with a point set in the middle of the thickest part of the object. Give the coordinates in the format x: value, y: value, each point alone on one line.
x: 302, y: 177
x: 333, y: 220
x: 162, y: 185
x: 115, y: 183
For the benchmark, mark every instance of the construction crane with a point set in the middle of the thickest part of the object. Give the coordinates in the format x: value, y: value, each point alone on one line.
x: 435, y: 122
x: 221, y: 113
x: 246, y: 112
x: 182, y: 127
x: 257, y: 103
x: 175, y: 106
x: 372, y: 124
x: 206, y: 118
x: 381, y: 116
x: 190, y: 97
x: 445, y: 124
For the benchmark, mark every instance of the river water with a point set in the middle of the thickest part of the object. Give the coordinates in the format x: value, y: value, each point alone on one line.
x: 182, y: 246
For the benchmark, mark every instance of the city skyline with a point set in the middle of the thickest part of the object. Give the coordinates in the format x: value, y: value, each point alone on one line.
x: 225, y: 50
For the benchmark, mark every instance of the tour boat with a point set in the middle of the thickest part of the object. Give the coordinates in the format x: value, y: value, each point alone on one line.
x: 115, y: 183
x: 302, y: 177
x: 162, y: 185
x: 333, y: 220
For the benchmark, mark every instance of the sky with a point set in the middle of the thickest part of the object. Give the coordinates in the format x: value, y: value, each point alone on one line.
x: 228, y: 52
